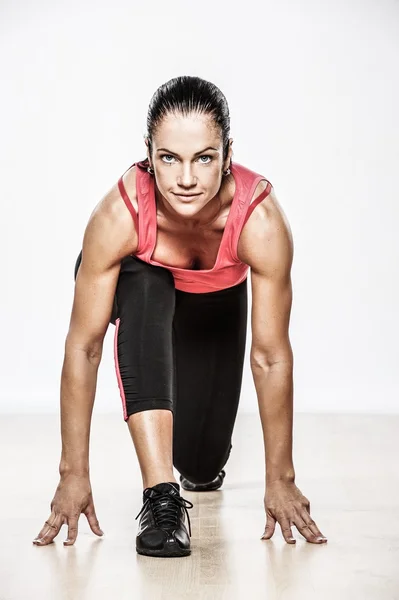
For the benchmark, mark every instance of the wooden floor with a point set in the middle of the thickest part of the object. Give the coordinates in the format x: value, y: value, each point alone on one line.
x: 346, y: 465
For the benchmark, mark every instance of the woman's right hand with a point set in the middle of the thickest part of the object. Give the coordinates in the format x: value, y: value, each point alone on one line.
x: 73, y: 496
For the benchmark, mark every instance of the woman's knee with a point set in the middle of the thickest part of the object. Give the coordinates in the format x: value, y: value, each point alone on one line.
x: 198, y: 474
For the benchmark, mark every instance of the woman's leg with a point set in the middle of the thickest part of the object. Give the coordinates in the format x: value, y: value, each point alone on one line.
x: 143, y: 314
x: 145, y: 297
x: 209, y: 333
x: 144, y: 361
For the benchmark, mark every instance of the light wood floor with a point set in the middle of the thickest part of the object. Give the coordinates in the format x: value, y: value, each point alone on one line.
x: 347, y: 465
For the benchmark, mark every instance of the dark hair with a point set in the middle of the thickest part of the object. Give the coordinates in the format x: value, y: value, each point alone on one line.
x: 184, y: 95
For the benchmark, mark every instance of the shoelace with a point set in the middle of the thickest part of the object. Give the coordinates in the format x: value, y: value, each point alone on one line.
x: 168, y: 513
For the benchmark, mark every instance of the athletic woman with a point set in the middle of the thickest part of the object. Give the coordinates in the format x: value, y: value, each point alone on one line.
x: 165, y: 258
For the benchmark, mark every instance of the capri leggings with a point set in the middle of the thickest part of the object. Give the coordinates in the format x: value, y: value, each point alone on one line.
x: 182, y: 352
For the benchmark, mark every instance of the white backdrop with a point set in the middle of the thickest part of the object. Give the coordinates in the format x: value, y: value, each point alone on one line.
x: 313, y: 90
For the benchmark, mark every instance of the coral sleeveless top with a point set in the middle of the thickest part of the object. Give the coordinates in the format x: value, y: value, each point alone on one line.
x: 228, y: 270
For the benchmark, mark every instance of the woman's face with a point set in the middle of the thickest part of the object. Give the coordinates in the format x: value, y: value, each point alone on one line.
x: 187, y: 159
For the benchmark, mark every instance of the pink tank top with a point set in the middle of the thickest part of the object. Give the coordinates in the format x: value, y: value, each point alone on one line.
x: 228, y: 270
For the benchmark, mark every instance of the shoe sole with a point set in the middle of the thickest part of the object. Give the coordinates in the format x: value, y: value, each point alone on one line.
x: 174, y: 551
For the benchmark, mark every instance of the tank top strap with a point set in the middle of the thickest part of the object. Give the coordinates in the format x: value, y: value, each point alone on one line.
x: 126, y: 199
x: 145, y: 190
x: 257, y: 200
x: 141, y: 217
x: 249, y: 181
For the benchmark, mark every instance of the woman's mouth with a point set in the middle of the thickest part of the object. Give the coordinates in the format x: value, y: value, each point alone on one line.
x: 186, y: 197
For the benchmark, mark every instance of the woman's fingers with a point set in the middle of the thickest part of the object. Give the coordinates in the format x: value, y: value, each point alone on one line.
x: 302, y: 521
x: 49, y: 530
x: 270, y: 527
x: 92, y: 519
x: 72, y: 531
x: 308, y: 528
x: 286, y: 530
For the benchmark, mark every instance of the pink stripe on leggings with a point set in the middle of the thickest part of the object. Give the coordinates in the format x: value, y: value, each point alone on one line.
x: 118, y: 373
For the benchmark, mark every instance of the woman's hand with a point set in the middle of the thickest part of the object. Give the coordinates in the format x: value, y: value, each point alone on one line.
x: 285, y: 503
x: 72, y: 497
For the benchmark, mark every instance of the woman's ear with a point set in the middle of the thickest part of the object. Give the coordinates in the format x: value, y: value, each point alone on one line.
x: 146, y: 141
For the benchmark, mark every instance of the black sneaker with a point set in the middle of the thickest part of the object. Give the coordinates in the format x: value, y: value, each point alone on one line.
x: 215, y: 484
x: 162, y: 531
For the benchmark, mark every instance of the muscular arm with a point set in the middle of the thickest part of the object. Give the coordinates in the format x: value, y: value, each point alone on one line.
x: 110, y: 235
x: 266, y: 245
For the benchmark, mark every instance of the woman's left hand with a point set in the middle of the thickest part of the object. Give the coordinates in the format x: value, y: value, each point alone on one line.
x: 285, y: 504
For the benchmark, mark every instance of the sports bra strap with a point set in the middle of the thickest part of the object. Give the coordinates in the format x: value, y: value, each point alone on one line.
x: 126, y: 199
x: 257, y: 200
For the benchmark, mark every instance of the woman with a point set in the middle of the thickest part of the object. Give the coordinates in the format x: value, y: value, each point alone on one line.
x: 165, y: 258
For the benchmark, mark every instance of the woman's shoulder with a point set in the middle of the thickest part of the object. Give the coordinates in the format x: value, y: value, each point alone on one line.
x: 110, y: 216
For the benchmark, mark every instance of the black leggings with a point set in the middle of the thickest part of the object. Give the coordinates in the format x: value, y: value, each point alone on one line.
x: 182, y: 352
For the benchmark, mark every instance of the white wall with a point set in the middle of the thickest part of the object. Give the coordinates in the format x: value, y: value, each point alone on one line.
x: 313, y: 91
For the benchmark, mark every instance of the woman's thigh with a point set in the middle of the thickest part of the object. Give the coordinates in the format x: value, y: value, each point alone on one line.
x: 143, y: 347
x: 209, y: 336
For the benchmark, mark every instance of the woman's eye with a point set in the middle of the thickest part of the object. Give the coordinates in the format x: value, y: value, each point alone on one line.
x: 203, y: 156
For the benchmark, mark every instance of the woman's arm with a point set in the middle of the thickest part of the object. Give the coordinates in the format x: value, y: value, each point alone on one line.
x: 266, y: 245
x: 109, y: 236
